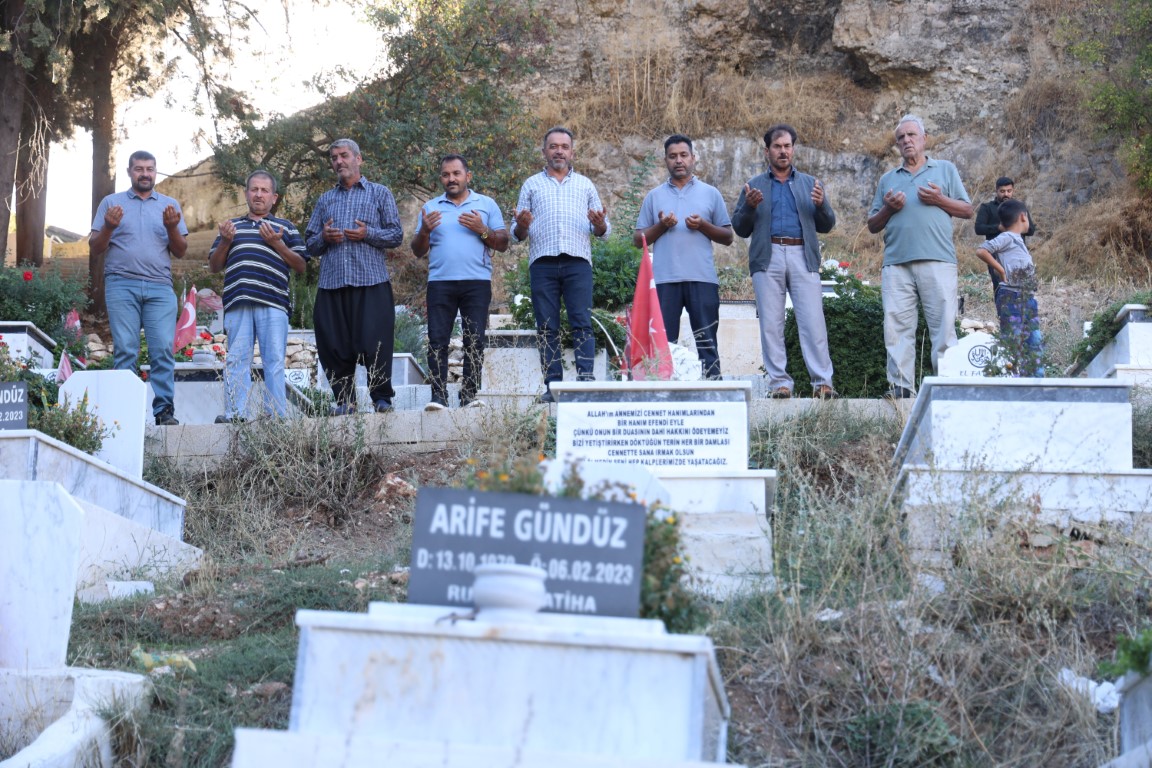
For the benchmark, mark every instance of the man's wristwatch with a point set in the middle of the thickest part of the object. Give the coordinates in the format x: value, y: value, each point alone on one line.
x: 484, y: 234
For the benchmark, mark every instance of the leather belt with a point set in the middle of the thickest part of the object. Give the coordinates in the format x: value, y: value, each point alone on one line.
x: 788, y: 240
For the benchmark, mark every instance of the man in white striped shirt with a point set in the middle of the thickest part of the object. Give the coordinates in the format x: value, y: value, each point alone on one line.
x: 557, y: 210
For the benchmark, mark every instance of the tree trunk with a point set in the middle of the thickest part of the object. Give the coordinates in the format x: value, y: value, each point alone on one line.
x: 31, y: 207
x: 12, y: 85
x: 103, y: 174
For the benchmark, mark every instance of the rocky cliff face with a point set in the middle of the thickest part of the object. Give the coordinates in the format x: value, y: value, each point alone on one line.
x: 990, y: 79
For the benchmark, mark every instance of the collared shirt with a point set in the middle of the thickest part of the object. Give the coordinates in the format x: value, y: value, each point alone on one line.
x: 354, y: 263
x: 139, y: 245
x: 560, y: 215
x: 919, y: 232
x: 456, y: 252
x: 682, y: 254
x: 1009, y: 249
x: 254, y: 274
x: 785, y: 215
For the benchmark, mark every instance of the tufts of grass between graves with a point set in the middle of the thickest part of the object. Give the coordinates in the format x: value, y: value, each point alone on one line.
x: 236, y: 627
x: 857, y: 655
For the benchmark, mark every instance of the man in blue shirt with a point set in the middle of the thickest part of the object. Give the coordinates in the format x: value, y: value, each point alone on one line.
x: 680, y: 220
x: 458, y: 232
x: 914, y: 206
x: 555, y: 212
x: 256, y: 252
x: 784, y: 257
x: 351, y: 229
x: 141, y: 230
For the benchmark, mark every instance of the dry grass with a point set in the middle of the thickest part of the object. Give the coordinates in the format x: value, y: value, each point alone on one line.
x: 1107, y: 243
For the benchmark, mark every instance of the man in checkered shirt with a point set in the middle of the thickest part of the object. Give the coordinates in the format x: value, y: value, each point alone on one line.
x: 557, y: 209
x: 351, y: 229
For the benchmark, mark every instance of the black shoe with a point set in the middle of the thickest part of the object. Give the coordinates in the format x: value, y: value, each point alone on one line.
x: 384, y: 405
x: 586, y: 377
x: 545, y: 398
x: 167, y: 418
x: 899, y: 393
x: 342, y: 409
x: 230, y: 419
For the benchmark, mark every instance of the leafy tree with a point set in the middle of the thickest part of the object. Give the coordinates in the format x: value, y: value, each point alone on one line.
x: 1121, y: 52
x: 445, y: 88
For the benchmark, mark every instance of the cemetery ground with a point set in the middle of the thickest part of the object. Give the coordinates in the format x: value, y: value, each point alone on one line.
x: 847, y: 659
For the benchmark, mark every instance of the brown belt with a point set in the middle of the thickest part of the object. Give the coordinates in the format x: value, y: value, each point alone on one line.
x: 788, y: 240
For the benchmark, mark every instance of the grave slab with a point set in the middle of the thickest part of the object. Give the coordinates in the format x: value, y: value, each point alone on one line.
x: 968, y: 358
x: 728, y: 553
x: 1034, y: 425
x: 121, y: 401
x: 31, y: 455
x: 284, y: 749
x: 40, y: 530
x: 749, y: 491
x: 548, y: 683
x: 27, y: 342
x: 512, y: 364
x: 1130, y: 349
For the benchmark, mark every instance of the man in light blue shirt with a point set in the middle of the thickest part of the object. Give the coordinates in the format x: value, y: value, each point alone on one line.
x: 138, y: 232
x: 458, y: 232
x: 556, y: 211
x: 680, y: 220
x: 914, y: 206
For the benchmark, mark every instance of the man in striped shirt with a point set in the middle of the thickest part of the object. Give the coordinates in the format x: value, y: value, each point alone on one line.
x: 255, y: 252
x: 351, y: 229
x: 557, y: 209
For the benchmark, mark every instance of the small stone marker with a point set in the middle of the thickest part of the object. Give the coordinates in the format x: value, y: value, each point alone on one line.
x: 14, y: 405
x: 592, y: 551
x: 669, y: 425
x: 969, y: 357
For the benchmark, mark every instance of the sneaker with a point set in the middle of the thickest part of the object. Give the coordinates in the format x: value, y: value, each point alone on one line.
x: 781, y: 393
x: 545, y: 398
x: 824, y: 392
x: 384, y: 405
x: 435, y: 406
x: 476, y: 404
x: 586, y: 377
x: 222, y: 419
x: 342, y: 409
x: 167, y: 418
x: 899, y: 393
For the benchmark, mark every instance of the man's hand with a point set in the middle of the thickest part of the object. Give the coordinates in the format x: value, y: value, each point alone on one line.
x: 930, y: 195
x: 597, y: 219
x: 332, y: 234
x: 358, y: 234
x: 894, y: 200
x: 171, y: 217
x: 694, y: 221
x: 523, y: 218
x: 227, y: 230
x: 271, y: 233
x: 669, y: 221
x: 753, y: 196
x: 818, y: 194
x: 113, y: 216
x: 472, y: 221
x: 429, y: 220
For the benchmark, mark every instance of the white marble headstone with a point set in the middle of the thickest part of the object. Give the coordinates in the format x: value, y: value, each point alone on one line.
x: 969, y: 357
x: 119, y: 398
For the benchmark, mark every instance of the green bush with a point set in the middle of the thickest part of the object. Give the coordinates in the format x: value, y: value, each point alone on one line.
x: 1104, y: 328
x: 855, y: 322
x: 40, y: 297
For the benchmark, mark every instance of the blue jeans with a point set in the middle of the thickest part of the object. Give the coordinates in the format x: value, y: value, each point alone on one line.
x: 1019, y: 314
x: 134, y: 304
x: 570, y: 278
x: 471, y: 298
x: 245, y: 324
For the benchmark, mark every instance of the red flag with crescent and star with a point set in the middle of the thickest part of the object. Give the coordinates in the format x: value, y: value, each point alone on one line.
x: 186, y: 325
x: 648, y: 353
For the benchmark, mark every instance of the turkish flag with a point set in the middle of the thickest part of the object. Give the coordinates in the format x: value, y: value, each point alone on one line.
x: 186, y: 325
x: 648, y: 353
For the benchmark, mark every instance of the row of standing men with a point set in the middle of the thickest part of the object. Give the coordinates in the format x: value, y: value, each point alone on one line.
x: 353, y: 225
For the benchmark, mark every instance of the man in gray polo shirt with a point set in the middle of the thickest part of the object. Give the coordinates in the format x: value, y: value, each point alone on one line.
x: 141, y: 230
x: 914, y: 206
x: 681, y: 219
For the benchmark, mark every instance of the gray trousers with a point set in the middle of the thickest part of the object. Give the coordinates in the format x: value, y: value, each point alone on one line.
x: 934, y: 285
x: 788, y: 273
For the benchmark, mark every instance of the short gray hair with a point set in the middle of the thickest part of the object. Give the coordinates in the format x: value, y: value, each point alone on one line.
x: 912, y: 119
x: 344, y: 143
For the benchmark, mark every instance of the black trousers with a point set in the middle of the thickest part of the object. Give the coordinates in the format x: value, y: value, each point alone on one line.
x: 471, y: 299
x: 356, y: 324
x: 702, y: 301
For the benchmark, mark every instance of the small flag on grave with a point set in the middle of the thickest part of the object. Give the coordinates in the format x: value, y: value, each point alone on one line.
x: 648, y: 354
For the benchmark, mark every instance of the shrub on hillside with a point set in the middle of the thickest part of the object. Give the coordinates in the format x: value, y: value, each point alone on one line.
x: 39, y: 297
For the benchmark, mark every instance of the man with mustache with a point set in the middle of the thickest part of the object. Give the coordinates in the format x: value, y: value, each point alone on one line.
x: 458, y: 232
x: 141, y: 230
x: 351, y: 229
x: 256, y: 252
x: 556, y: 211
x: 680, y: 220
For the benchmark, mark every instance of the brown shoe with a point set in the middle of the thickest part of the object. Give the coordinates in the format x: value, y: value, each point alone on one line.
x: 781, y: 393
x: 824, y: 392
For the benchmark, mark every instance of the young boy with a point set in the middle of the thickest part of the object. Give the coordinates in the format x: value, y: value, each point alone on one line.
x: 1016, y: 303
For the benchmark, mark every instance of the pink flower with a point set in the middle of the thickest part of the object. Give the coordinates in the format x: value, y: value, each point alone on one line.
x: 216, y: 348
x: 28, y: 276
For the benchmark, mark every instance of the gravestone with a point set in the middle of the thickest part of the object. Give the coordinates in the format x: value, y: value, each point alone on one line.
x: 969, y: 357
x: 14, y: 405
x: 120, y: 400
x: 28, y: 343
x: 1128, y: 356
